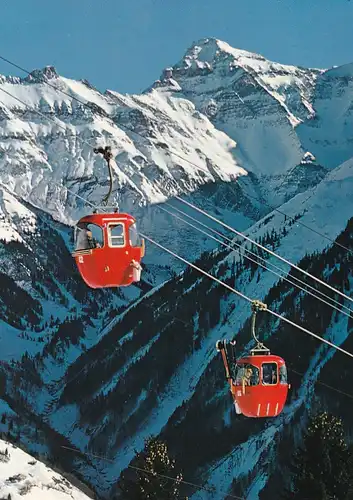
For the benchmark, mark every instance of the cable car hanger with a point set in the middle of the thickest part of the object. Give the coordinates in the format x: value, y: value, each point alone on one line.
x: 107, y: 155
x: 256, y: 306
x: 114, y: 208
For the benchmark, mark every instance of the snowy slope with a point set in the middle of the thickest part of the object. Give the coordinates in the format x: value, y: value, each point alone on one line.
x: 328, y: 133
x: 22, y: 476
x: 12, y: 212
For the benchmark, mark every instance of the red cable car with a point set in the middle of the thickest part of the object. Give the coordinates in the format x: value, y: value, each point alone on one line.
x: 108, y: 250
x: 258, y: 382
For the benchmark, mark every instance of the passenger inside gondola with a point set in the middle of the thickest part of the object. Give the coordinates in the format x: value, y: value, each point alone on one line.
x: 246, y: 380
x: 269, y: 373
x: 247, y: 375
x: 88, y: 236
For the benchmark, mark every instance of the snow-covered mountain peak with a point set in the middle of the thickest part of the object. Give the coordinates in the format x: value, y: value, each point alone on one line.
x: 21, y: 476
x: 255, y: 101
x: 10, y: 79
x: 47, y: 73
x: 207, y: 53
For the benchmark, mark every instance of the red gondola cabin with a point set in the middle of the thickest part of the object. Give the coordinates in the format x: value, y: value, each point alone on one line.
x: 258, y: 383
x: 108, y: 250
x: 264, y: 392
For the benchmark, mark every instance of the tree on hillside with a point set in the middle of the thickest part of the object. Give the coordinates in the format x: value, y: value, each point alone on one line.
x: 322, y: 469
x: 147, y: 477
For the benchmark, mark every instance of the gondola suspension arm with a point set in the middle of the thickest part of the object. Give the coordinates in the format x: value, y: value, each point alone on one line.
x: 256, y: 306
x: 107, y: 155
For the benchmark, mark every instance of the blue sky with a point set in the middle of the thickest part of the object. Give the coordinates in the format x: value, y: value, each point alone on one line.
x: 124, y: 44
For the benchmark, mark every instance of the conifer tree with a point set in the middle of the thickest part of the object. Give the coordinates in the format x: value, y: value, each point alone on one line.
x: 322, y: 469
x: 151, y: 468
